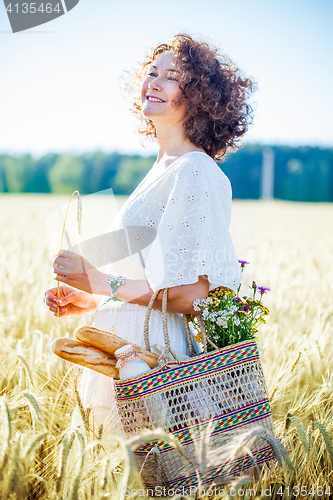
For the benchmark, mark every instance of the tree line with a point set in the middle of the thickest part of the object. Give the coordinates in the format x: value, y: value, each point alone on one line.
x: 300, y: 174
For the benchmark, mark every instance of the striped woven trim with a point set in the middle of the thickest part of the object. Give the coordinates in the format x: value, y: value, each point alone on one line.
x: 242, y: 464
x: 172, y: 373
x: 221, y: 424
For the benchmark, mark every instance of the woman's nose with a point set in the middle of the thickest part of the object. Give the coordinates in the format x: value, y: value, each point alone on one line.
x: 154, y: 84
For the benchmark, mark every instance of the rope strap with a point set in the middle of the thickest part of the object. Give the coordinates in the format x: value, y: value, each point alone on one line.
x: 165, y: 327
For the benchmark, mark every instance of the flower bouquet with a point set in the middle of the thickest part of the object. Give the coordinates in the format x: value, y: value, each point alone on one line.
x: 229, y: 318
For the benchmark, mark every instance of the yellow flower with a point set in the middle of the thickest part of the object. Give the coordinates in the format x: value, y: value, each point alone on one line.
x: 221, y: 291
x: 263, y: 308
x: 244, y: 313
x: 262, y: 320
x: 198, y: 337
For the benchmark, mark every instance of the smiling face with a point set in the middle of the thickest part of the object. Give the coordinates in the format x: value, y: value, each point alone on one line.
x: 160, y: 92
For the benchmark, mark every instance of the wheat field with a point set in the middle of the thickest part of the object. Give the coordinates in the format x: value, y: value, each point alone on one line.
x: 290, y: 248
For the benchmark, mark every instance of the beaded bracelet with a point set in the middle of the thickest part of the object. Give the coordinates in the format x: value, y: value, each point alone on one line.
x: 114, y: 282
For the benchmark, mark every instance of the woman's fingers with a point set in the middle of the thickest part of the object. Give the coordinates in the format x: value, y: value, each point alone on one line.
x: 52, y: 293
x: 62, y: 311
x: 69, y: 279
x: 63, y: 260
x: 66, y: 294
x: 53, y: 307
x: 49, y: 301
x: 64, y: 272
x: 64, y: 257
x: 72, y: 269
x: 80, y: 281
x: 49, y: 295
x: 69, y: 299
x: 67, y: 254
x: 60, y: 264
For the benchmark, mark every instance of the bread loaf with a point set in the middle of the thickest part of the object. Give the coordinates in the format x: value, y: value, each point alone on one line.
x: 85, y: 355
x: 108, y: 342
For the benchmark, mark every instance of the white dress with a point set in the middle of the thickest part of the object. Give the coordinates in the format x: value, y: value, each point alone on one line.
x: 188, y: 203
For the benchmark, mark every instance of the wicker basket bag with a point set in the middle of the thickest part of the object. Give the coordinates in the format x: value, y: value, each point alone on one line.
x: 224, y: 389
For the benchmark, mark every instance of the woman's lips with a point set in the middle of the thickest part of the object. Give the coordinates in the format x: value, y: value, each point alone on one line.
x: 153, y: 99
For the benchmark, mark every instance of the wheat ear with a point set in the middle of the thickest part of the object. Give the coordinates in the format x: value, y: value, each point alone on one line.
x: 8, y: 434
x: 77, y: 479
x: 34, y: 406
x: 79, y: 229
x: 66, y: 445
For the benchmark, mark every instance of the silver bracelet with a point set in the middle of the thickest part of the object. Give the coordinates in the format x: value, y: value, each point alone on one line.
x: 114, y: 282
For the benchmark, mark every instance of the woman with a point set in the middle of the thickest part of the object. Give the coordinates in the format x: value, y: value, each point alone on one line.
x: 193, y: 103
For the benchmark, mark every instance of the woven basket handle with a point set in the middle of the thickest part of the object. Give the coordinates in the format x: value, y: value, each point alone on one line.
x: 205, y: 337
x: 165, y: 327
x: 164, y: 320
x: 165, y: 324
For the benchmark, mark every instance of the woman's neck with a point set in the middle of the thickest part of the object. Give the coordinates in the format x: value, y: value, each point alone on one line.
x: 173, y: 143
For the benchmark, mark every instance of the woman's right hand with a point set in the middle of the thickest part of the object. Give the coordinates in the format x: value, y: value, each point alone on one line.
x: 70, y: 301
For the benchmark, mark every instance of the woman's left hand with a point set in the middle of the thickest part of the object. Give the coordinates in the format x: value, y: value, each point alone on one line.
x: 76, y: 271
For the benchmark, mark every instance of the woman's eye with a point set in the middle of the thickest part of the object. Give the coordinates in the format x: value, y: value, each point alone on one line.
x: 172, y: 78
x: 151, y: 74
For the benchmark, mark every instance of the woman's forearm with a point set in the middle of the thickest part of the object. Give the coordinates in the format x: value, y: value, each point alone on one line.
x: 180, y: 298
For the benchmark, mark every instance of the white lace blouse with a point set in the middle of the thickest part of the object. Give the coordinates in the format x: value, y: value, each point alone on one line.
x: 188, y: 203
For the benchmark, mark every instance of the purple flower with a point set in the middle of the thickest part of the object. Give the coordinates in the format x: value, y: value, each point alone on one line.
x: 236, y: 299
x: 243, y: 263
x: 246, y: 307
x: 263, y: 289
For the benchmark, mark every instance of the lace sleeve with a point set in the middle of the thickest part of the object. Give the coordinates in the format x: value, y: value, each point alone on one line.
x: 193, y: 234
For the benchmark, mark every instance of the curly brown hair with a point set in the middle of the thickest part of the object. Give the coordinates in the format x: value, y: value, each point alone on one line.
x: 217, y: 114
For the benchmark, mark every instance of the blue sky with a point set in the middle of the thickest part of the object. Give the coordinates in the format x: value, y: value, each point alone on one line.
x: 59, y: 82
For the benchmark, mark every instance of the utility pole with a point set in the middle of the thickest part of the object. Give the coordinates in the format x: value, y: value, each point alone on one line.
x: 267, y: 174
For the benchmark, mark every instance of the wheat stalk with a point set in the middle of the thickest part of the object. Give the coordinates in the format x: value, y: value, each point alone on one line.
x: 105, y: 474
x: 328, y: 442
x: 66, y: 446
x: 26, y: 366
x: 34, y: 405
x: 79, y: 229
x: 8, y: 434
x: 77, y: 479
x: 14, y: 482
x: 84, y: 414
x: 35, y: 443
x: 301, y: 432
x: 79, y: 214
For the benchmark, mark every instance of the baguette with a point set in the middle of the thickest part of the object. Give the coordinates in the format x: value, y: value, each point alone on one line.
x: 108, y: 342
x: 83, y: 354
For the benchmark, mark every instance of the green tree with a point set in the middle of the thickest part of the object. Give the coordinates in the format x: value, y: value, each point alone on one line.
x: 3, y: 161
x: 18, y: 171
x: 66, y: 175
x: 132, y: 170
x: 100, y: 170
